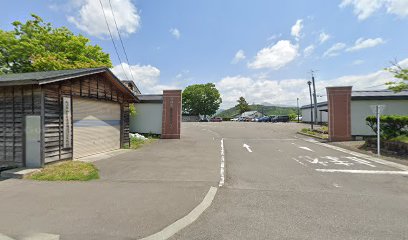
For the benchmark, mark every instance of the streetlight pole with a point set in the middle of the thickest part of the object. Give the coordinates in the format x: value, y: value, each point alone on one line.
x: 311, y: 104
x: 297, y: 100
x: 314, y: 97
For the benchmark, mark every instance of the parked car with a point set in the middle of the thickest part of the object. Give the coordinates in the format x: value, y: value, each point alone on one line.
x: 234, y: 119
x: 203, y: 120
x: 263, y: 119
x: 281, y: 118
x: 216, y: 119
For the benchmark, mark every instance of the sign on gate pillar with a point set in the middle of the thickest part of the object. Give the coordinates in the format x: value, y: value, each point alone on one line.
x: 67, y: 122
x: 338, y: 101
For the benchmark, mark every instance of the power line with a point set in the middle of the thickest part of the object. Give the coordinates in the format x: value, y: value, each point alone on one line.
x: 120, y: 37
x: 114, y: 45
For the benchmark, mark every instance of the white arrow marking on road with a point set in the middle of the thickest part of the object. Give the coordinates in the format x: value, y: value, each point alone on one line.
x: 306, y: 148
x: 247, y: 147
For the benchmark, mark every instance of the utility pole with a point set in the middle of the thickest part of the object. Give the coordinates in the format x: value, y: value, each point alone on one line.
x: 314, y: 96
x: 311, y: 105
x: 297, y: 100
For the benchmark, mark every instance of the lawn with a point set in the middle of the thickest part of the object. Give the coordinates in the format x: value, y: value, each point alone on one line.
x: 402, y: 138
x: 136, y: 143
x: 320, y: 132
x: 67, y: 171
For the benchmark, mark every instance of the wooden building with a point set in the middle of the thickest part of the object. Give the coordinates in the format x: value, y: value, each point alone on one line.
x: 57, y: 115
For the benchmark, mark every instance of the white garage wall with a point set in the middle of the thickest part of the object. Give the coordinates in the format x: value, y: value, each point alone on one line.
x: 321, y: 116
x: 148, y: 118
x: 360, y: 109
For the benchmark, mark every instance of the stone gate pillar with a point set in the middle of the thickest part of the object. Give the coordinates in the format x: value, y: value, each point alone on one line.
x: 171, y: 119
x: 338, y: 101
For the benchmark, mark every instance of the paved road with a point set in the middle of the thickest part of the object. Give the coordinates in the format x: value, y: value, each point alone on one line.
x: 281, y: 187
x: 140, y: 192
x: 277, y: 186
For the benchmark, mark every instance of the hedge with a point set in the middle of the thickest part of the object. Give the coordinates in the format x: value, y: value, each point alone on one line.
x: 391, y: 126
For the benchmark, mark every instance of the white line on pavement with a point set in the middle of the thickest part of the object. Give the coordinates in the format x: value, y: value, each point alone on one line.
x: 361, y: 155
x: 247, y: 147
x: 363, y: 171
x: 306, y: 148
x: 222, y: 171
x: 172, y: 229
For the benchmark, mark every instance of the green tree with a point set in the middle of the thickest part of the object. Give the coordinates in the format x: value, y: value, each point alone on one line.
x: 242, y: 105
x: 400, y: 73
x: 37, y: 46
x: 201, y: 99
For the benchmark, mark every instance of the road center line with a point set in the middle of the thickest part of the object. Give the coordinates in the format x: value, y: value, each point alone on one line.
x: 222, y: 170
x: 363, y: 171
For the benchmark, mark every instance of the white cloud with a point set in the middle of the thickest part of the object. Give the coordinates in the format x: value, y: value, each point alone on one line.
x: 297, y: 29
x: 175, y: 32
x: 273, y: 37
x: 261, y: 89
x: 147, y: 77
x: 89, y: 17
x: 358, y: 62
x: 275, y: 56
x: 365, y: 8
x: 323, y: 37
x: 334, y: 50
x: 309, y: 50
x: 362, y: 43
x: 239, y: 56
x: 398, y: 7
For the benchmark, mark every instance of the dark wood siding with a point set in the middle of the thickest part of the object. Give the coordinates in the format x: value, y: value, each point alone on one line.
x: 92, y: 87
x: 15, y: 103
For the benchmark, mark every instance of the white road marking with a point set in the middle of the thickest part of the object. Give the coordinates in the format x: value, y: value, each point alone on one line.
x: 299, y: 161
x: 361, y: 161
x: 306, y: 148
x: 172, y: 229
x: 336, y: 185
x: 247, y: 147
x: 41, y: 236
x: 360, y: 155
x: 222, y: 171
x: 363, y: 171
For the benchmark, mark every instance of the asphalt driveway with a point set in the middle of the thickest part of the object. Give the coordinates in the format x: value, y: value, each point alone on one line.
x: 140, y: 192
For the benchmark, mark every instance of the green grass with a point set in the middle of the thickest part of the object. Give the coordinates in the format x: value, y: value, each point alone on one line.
x: 67, y: 171
x: 402, y: 138
x: 136, y: 143
x: 318, y: 132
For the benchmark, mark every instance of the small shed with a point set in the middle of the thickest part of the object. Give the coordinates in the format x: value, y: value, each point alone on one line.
x: 57, y: 115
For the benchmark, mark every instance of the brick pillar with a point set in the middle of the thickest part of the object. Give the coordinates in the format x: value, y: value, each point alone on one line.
x: 171, y: 119
x: 339, y: 113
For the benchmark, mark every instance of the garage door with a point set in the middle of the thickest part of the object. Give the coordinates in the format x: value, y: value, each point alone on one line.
x: 96, y: 126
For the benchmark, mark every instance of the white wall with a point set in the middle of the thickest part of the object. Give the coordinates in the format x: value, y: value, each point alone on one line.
x: 321, y: 116
x: 148, y: 118
x: 360, y: 109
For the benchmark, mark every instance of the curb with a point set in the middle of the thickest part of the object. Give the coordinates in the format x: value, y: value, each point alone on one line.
x: 310, y: 135
x: 183, y: 222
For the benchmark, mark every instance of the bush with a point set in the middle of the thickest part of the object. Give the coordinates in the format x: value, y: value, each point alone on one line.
x: 226, y: 119
x: 391, y: 126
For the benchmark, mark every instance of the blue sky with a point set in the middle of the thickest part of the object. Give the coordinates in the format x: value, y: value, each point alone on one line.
x: 260, y: 49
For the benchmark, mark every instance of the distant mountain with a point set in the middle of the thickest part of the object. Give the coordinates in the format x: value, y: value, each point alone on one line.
x: 266, y: 110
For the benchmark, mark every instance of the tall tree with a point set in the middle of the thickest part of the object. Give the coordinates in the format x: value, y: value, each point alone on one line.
x: 37, y: 46
x: 201, y: 99
x: 400, y: 73
x: 242, y: 105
